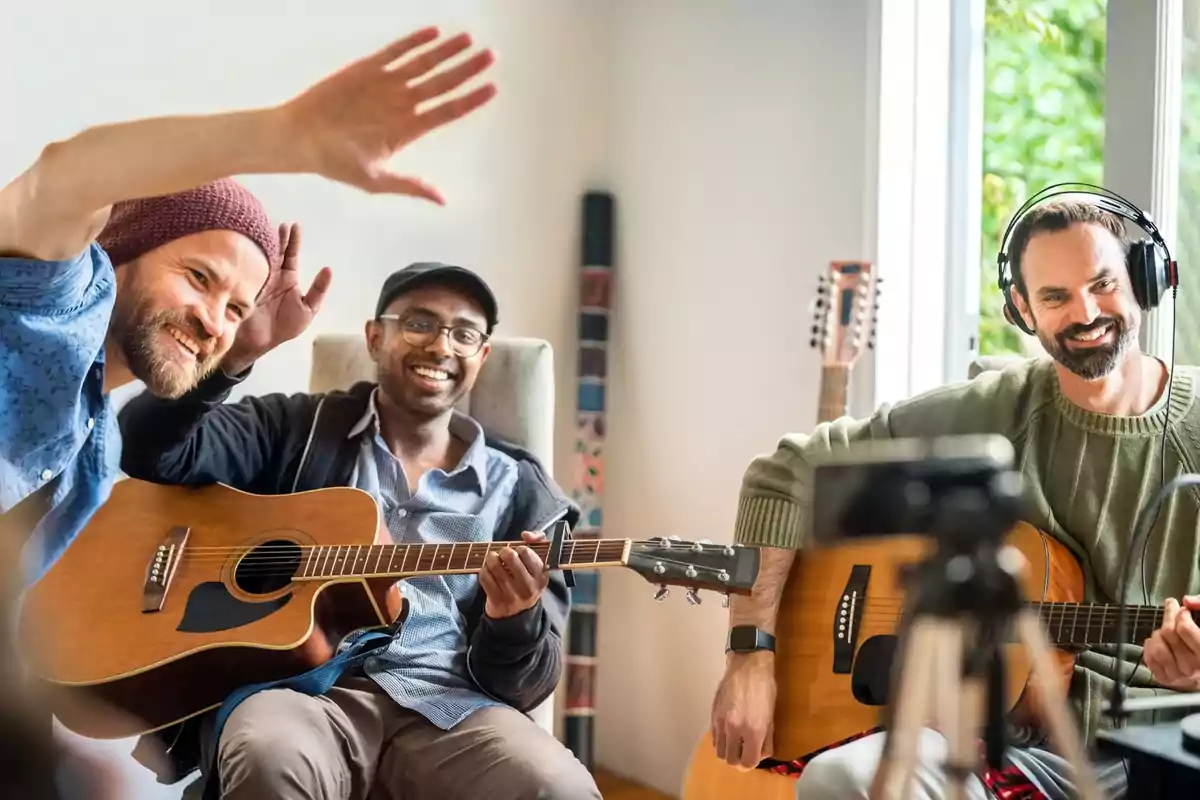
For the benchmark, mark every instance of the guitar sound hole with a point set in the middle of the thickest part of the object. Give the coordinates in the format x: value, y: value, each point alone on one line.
x: 267, y: 568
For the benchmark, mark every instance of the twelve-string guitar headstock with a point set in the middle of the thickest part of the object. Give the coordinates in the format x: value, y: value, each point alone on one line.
x: 845, y: 311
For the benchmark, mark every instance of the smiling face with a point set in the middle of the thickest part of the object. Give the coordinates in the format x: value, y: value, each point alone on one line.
x: 179, y: 306
x: 427, y: 380
x: 1078, y: 296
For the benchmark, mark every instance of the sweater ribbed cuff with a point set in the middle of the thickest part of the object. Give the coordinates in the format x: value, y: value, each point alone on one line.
x: 768, y: 521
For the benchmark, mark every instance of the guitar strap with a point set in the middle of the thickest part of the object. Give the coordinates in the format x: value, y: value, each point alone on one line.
x: 316, y: 681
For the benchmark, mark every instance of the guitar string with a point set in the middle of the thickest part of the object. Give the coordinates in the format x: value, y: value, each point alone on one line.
x: 357, y: 552
x: 290, y: 564
x: 500, y: 545
x: 362, y: 568
x: 369, y: 551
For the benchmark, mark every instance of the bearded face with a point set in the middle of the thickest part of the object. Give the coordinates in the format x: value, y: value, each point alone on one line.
x: 179, y: 308
x: 168, y: 350
x: 1078, y: 298
x: 1093, y: 350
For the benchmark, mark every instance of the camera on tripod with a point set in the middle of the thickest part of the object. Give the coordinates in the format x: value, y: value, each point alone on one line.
x: 935, y: 487
x: 963, y: 600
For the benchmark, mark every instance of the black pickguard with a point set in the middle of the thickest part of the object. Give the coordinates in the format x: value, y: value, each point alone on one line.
x: 211, y: 608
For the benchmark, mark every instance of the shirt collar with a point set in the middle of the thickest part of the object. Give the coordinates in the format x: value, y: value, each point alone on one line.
x: 474, y: 460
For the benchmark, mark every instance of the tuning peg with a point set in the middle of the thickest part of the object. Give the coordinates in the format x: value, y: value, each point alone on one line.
x: 693, y: 597
x: 662, y: 593
x: 813, y: 342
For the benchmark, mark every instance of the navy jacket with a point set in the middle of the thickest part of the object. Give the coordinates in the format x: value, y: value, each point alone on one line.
x: 279, y: 443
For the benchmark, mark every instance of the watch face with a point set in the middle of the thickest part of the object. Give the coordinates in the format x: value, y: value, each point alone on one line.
x: 743, y: 639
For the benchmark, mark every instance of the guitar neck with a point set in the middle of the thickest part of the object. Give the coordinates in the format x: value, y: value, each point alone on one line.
x: 415, y: 560
x: 1093, y: 623
x: 835, y: 380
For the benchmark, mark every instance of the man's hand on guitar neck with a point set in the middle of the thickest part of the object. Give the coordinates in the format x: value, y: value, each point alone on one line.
x: 1172, y: 653
x: 744, y: 707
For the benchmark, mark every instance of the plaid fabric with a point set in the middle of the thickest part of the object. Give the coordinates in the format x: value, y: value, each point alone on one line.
x: 794, y: 768
x: 1007, y: 783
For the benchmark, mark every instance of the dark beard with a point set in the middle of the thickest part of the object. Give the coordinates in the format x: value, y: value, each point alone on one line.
x: 137, y: 336
x: 1091, y: 363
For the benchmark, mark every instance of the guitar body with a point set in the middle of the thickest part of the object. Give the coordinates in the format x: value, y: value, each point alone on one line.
x: 830, y: 690
x: 231, y: 615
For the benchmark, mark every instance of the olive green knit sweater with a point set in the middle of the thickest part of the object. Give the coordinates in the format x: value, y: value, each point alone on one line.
x: 1086, y: 475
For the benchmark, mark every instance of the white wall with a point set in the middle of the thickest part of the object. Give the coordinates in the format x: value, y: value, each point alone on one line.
x: 512, y: 175
x: 741, y: 139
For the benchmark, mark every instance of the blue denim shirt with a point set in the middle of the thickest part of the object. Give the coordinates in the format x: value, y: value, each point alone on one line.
x: 425, y: 667
x: 55, y: 420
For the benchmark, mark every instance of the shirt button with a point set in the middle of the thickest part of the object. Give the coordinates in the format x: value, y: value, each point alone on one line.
x: 47, y: 474
x: 91, y: 423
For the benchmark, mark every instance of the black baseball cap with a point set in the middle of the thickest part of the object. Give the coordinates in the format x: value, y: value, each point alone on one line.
x: 426, y: 273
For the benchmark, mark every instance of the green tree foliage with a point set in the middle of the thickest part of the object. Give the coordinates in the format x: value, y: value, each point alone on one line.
x: 1187, y: 242
x: 1043, y: 123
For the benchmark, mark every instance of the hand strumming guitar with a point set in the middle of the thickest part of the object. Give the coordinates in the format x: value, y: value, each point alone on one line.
x: 513, y: 579
x: 744, y: 709
x: 282, y: 312
x: 1172, y: 653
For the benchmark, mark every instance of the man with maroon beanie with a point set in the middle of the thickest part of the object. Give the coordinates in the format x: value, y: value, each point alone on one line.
x: 127, y: 253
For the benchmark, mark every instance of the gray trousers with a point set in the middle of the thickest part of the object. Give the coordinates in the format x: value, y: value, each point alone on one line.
x: 846, y: 772
x: 356, y: 743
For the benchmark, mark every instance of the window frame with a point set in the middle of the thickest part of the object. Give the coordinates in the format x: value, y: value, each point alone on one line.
x: 927, y: 217
x: 1142, y: 126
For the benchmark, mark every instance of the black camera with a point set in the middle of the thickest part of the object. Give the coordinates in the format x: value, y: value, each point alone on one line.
x: 945, y: 487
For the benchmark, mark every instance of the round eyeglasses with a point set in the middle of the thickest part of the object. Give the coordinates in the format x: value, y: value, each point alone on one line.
x: 420, y: 331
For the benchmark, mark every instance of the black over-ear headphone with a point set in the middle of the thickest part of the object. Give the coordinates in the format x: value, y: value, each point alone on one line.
x: 1151, y: 272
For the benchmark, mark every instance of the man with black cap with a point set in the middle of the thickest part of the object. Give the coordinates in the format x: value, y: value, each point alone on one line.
x: 439, y: 713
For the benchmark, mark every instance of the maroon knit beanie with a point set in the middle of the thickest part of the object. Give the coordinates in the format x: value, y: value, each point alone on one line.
x: 138, y: 226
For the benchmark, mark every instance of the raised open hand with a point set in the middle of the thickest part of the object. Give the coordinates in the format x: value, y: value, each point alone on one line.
x: 283, y: 312
x: 351, y: 123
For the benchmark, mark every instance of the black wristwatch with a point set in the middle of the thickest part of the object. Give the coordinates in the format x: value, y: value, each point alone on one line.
x: 747, y: 639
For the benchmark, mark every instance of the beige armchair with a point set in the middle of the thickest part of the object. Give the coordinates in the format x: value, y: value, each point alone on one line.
x: 513, y: 398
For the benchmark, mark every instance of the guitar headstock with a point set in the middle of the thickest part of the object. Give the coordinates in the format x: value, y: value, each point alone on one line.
x: 845, y: 311
x: 670, y: 561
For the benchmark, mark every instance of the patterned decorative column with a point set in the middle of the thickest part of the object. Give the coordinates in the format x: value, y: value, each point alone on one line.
x: 595, y: 301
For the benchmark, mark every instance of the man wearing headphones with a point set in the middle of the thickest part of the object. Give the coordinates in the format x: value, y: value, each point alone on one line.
x: 1097, y: 428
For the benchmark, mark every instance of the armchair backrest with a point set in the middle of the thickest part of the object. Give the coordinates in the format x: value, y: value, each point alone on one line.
x: 513, y: 397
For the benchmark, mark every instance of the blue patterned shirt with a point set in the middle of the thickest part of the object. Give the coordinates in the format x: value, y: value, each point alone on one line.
x: 425, y: 666
x: 56, y: 424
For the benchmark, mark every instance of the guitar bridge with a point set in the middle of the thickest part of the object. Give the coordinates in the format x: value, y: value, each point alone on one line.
x: 161, y: 569
x: 847, y: 618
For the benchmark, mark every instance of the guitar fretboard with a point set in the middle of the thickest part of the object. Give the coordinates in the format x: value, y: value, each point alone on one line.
x: 835, y: 380
x: 1094, y: 623
x: 401, y: 560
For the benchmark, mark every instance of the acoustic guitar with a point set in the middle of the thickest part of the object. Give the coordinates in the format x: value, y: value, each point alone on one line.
x: 832, y: 688
x: 844, y: 316
x: 173, y: 597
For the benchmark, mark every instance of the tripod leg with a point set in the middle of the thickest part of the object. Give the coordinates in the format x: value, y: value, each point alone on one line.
x: 1054, y: 711
x: 910, y: 706
x: 959, y: 717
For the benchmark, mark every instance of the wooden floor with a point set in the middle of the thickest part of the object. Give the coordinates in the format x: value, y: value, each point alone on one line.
x: 615, y: 788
